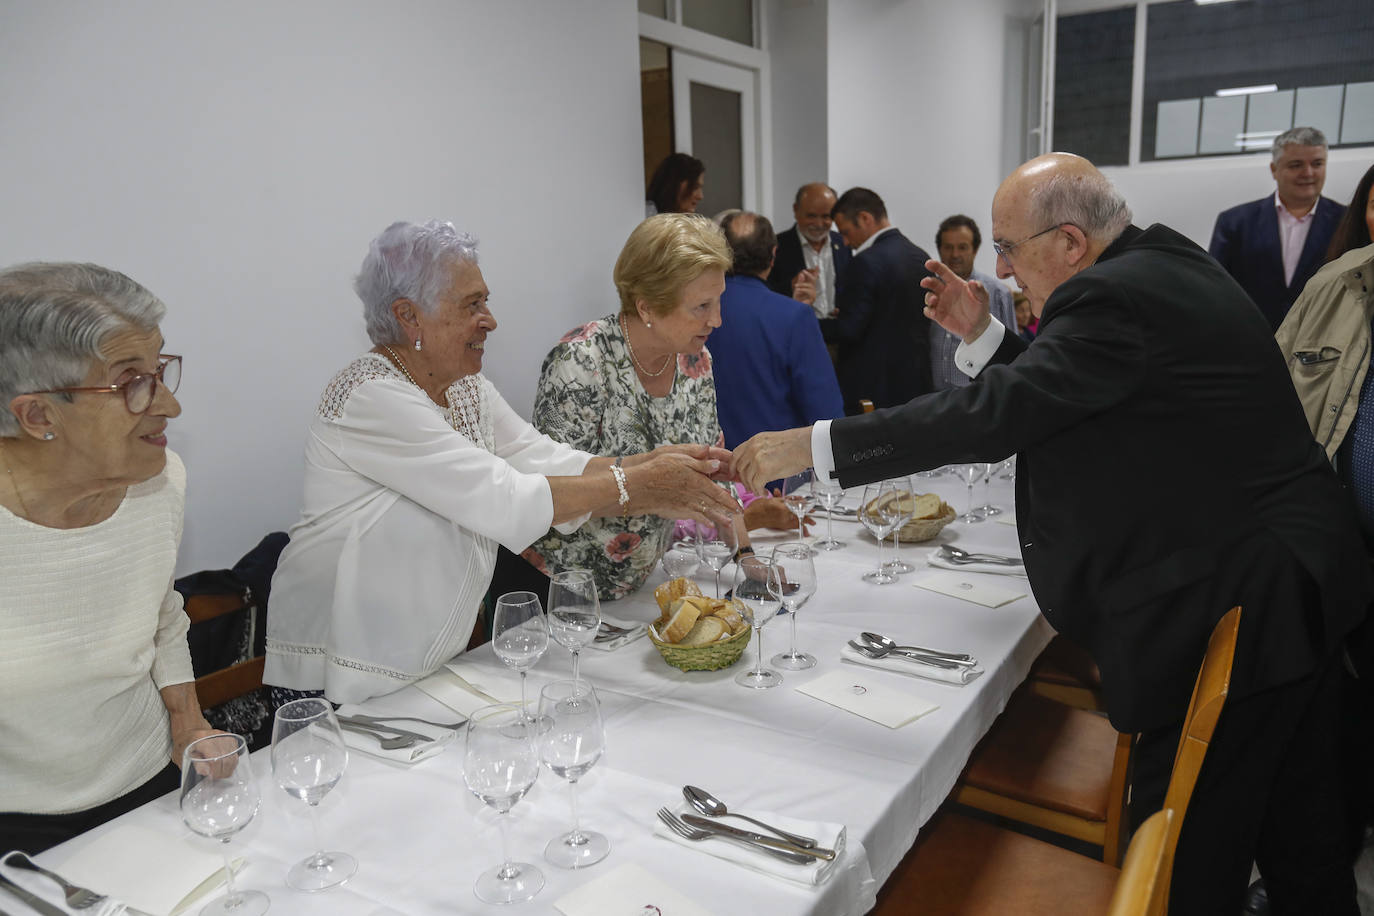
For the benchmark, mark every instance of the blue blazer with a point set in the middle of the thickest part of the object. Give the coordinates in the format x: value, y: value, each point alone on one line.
x: 771, y: 367
x: 1246, y: 242
x: 789, y: 261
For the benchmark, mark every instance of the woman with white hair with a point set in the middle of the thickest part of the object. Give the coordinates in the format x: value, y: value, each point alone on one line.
x: 96, y: 675
x: 416, y: 469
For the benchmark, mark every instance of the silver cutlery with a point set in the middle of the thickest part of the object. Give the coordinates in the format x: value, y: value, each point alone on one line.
x: 882, y: 642
x: 612, y: 629
x: 388, y: 744
x: 695, y: 835
x: 711, y: 806
x: 381, y: 720
x: 875, y: 652
x: 701, y: 823
x: 382, y: 727
x: 955, y: 555
x: 40, y: 906
x: 78, y: 898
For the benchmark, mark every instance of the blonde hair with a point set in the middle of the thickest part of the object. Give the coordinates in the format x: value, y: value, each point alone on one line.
x: 662, y: 255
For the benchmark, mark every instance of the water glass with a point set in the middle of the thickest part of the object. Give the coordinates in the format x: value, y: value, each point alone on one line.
x: 308, y: 760
x: 520, y: 635
x: 970, y: 474
x: 828, y: 494
x: 875, y: 517
x: 570, y: 746
x: 500, y: 764
x: 988, y: 509
x: 218, y: 799
x: 796, y: 585
x: 900, y: 507
x: 683, y: 557
x: 574, y: 611
x: 799, y: 499
x: 757, y: 588
x: 719, y: 548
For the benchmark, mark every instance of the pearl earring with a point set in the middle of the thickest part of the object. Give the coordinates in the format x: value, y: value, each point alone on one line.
x: 49, y: 436
x: 648, y: 324
x: 417, y: 345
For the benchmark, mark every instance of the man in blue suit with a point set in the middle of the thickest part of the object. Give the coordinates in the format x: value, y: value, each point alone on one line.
x: 811, y: 256
x: 770, y: 364
x: 1273, y: 246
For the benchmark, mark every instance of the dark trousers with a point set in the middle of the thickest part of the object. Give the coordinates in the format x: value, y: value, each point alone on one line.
x: 1274, y: 789
x: 34, y: 833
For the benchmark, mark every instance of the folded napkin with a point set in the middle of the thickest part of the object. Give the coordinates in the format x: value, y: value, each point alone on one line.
x: 630, y: 890
x: 935, y: 559
x: 143, y: 869
x: 817, y: 871
x: 904, y: 665
x: 637, y: 629
x: 958, y: 583
x: 405, y: 756
x: 867, y: 697
x: 466, y: 688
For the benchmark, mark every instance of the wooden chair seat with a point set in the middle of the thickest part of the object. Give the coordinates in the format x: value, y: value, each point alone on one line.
x: 1067, y: 673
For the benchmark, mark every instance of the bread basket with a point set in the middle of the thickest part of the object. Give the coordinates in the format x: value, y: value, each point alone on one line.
x: 923, y: 529
x: 709, y: 657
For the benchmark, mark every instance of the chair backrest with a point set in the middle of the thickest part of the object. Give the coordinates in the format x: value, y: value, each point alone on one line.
x: 227, y: 683
x: 1144, y: 884
x: 1209, y: 696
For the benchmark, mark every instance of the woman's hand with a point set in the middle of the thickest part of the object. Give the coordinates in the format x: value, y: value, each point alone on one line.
x: 774, y: 514
x: 701, y: 452
x: 672, y: 484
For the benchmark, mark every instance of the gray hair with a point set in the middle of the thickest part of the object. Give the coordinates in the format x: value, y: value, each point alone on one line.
x: 1086, y: 200
x: 1297, y: 136
x: 408, y: 261
x: 54, y: 320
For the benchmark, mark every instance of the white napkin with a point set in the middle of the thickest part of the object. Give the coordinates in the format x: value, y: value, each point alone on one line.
x: 876, y: 701
x: 967, y: 588
x: 910, y: 666
x: 452, y: 686
x: 151, y: 871
x: 630, y: 890
x: 1006, y: 518
x: 817, y: 871
x: 1000, y: 569
x: 637, y: 629
x: 405, y: 756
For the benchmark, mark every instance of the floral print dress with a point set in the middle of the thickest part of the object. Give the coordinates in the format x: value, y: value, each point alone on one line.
x: 590, y: 397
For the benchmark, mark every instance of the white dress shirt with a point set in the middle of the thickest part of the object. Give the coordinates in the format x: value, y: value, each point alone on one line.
x: 823, y: 262
x: 1293, y: 235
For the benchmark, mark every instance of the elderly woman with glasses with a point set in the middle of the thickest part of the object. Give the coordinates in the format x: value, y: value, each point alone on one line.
x: 96, y: 676
x: 416, y: 469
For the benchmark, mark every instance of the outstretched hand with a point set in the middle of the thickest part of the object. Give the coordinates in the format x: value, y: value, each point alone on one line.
x: 959, y: 306
x: 772, y: 455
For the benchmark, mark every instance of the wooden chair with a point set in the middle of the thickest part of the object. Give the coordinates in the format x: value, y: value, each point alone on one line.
x: 961, y: 866
x: 1067, y: 673
x: 221, y: 686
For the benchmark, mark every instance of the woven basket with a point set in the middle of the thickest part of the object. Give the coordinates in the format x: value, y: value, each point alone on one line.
x: 923, y: 529
x: 709, y: 657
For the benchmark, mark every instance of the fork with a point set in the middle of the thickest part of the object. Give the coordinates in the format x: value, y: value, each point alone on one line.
x: 382, y: 720
x: 388, y: 744
x: 78, y: 898
x: 612, y: 629
x: 695, y: 834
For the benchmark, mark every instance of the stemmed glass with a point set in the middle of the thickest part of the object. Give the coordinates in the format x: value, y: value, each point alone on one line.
x: 879, y: 522
x: 757, y: 587
x: 718, y: 550
x: 574, y: 611
x: 683, y: 556
x: 308, y: 760
x: 796, y: 584
x: 988, y: 509
x: 218, y: 799
x: 1008, y: 471
x: 969, y: 474
x: 520, y: 636
x: 500, y: 763
x: 828, y: 494
x: 572, y: 744
x: 900, y: 507
x: 800, y: 499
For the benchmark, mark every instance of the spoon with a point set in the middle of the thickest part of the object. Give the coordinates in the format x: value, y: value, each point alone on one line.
x: 882, y: 642
x: 877, y: 652
x: 963, y: 556
x: 711, y: 806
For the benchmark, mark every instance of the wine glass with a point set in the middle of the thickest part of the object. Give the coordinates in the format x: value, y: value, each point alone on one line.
x: 218, y: 799
x: 500, y: 763
x: 683, y: 556
x: 308, y: 759
x: 969, y: 474
x: 796, y: 584
x: 1008, y: 471
x: 719, y: 548
x: 988, y: 509
x: 797, y: 495
x: 879, y: 522
x: 828, y: 494
x: 570, y: 746
x: 757, y: 588
x: 900, y: 507
x: 520, y: 635
x: 574, y: 611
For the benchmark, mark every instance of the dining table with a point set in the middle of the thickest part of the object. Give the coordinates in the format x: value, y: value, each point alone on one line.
x: 421, y: 838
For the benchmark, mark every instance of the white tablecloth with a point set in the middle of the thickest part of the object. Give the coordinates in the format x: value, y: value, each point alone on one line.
x: 422, y: 838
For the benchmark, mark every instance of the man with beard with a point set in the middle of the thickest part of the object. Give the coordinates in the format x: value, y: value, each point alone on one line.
x: 811, y: 255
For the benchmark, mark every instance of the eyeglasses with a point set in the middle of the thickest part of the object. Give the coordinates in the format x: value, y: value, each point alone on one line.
x: 1004, y: 251
x: 138, y: 391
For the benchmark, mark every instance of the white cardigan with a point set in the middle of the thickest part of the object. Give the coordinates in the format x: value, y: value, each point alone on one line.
x: 90, y: 630
x: 405, y: 503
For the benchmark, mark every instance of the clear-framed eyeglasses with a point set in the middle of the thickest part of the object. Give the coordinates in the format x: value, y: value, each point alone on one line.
x: 1004, y: 251
x: 139, y: 390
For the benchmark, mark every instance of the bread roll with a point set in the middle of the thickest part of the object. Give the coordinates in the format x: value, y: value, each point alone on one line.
x: 927, y: 506
x: 730, y: 616
x: 673, y: 589
x: 681, y: 619
x: 706, y: 630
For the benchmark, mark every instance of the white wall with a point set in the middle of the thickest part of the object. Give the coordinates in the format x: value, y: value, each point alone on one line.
x: 796, y: 41
x: 237, y: 158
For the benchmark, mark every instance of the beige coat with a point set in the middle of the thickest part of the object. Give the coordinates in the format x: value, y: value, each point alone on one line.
x: 1325, y: 339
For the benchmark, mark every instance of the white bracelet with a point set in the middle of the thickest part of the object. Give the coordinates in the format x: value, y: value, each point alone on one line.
x: 619, y: 474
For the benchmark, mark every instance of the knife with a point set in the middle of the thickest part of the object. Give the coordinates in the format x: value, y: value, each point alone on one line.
x: 38, y: 903
x: 758, y: 838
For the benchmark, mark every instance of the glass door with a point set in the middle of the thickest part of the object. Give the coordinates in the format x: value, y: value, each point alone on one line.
x: 714, y: 107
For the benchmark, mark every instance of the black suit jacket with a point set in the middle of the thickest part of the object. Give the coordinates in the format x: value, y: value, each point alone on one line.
x: 880, y: 327
x: 1245, y: 241
x: 789, y: 261
x: 1163, y: 462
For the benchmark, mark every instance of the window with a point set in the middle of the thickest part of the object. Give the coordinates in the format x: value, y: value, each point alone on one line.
x: 1092, y: 85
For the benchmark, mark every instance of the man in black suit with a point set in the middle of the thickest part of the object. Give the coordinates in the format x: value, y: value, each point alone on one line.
x: 811, y: 256
x: 1273, y: 246
x: 1165, y: 473
x: 879, y: 328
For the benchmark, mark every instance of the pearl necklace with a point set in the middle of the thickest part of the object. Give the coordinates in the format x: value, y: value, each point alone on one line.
x: 638, y: 365
x: 395, y: 358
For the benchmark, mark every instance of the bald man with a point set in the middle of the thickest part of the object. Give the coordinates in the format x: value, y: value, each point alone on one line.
x: 811, y: 255
x: 1165, y: 473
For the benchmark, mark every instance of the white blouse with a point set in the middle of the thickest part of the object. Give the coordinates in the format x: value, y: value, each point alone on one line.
x: 405, y: 503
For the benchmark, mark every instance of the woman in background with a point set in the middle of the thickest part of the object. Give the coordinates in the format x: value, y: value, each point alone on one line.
x: 676, y: 186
